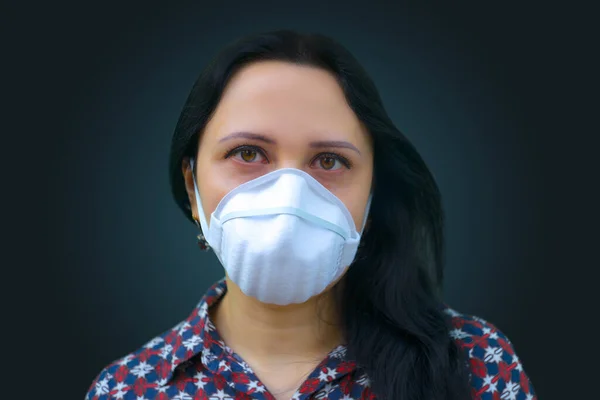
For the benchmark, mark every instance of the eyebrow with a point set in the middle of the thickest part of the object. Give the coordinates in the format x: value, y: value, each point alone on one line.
x: 247, y: 135
x: 315, y: 144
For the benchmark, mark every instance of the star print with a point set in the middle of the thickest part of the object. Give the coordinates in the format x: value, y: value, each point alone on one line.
x: 141, y: 370
x: 489, y: 380
x: 213, y: 372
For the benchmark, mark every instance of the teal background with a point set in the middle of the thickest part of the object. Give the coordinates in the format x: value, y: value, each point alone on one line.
x: 474, y: 86
x: 136, y: 253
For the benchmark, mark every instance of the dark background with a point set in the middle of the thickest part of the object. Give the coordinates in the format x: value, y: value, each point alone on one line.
x: 491, y: 95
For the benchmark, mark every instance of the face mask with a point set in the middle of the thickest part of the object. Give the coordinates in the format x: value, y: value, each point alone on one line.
x: 282, y: 237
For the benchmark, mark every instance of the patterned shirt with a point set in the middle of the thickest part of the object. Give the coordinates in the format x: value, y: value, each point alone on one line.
x: 191, y: 362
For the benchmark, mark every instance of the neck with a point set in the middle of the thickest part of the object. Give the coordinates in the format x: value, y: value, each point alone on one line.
x: 277, y: 333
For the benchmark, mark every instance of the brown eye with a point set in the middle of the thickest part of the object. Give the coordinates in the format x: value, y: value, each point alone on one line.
x: 327, y: 162
x: 248, y: 155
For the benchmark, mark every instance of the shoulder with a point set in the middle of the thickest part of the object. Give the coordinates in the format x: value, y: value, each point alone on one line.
x: 495, y: 368
x: 151, y: 366
x: 147, y: 366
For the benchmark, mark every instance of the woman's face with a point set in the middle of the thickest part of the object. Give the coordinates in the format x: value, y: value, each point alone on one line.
x: 279, y: 115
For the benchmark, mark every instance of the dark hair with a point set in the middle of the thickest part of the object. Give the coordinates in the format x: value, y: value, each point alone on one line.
x: 393, y: 316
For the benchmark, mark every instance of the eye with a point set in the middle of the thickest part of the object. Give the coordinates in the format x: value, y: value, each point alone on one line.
x: 332, y: 161
x: 247, y: 154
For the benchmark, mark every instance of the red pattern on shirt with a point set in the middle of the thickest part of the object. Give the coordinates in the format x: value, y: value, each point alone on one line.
x: 191, y: 361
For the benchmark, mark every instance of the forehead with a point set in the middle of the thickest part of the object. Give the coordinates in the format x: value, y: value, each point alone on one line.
x: 280, y: 98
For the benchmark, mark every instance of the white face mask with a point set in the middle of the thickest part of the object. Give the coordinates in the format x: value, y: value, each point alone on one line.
x: 282, y: 237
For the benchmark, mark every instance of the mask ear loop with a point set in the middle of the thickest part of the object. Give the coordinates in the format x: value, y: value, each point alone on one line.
x: 202, y: 225
x: 367, y: 211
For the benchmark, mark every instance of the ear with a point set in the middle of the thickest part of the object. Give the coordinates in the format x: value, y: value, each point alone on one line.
x: 188, y: 177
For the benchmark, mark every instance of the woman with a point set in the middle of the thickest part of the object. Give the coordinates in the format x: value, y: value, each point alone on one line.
x: 286, y: 160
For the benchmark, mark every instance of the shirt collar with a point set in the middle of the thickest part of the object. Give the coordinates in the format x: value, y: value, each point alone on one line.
x: 196, y: 335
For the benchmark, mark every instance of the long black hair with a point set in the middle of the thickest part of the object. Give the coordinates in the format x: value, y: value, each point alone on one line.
x: 390, y: 302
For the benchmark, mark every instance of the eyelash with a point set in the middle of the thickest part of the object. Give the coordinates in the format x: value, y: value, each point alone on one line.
x: 347, y: 163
